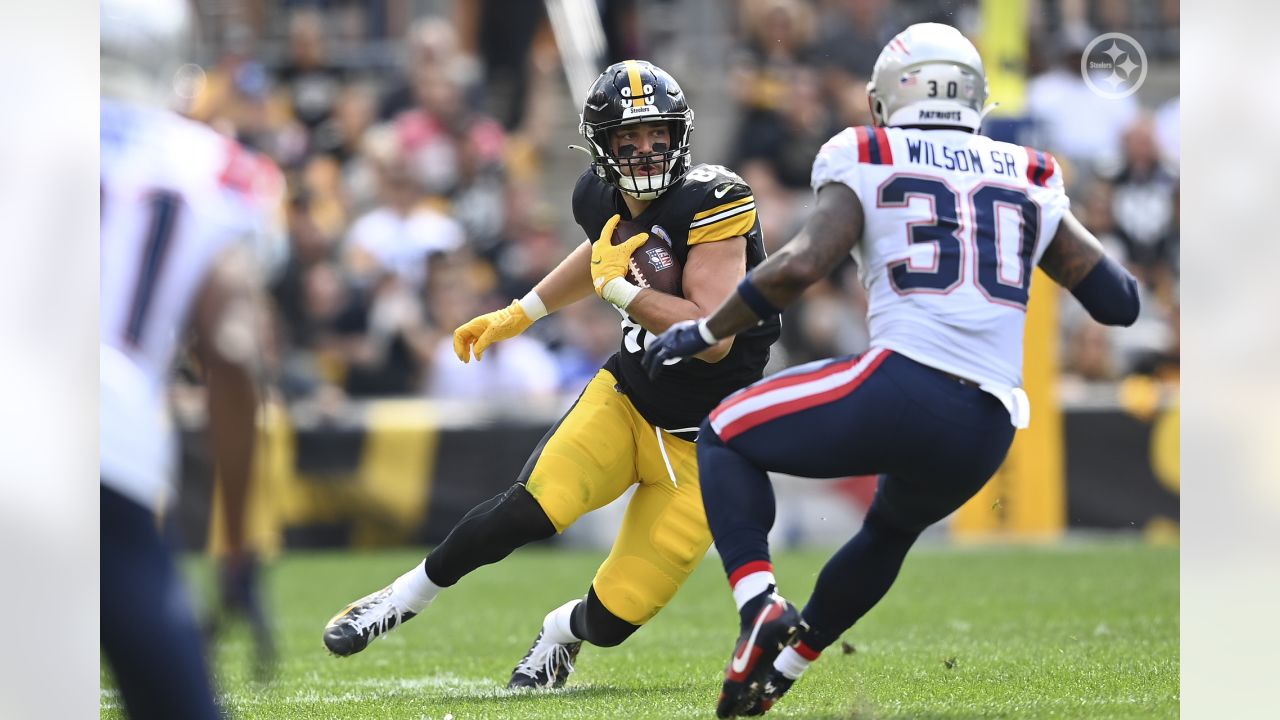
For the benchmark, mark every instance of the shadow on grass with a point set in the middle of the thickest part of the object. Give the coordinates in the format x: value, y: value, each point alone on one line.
x: 654, y: 696
x: 866, y: 714
x: 572, y: 693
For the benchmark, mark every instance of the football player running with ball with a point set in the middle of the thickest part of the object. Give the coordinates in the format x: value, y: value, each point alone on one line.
x: 947, y: 227
x: 625, y: 429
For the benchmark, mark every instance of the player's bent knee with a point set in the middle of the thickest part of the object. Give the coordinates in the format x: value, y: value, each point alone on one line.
x: 634, y: 589
x: 680, y: 536
x: 520, y: 514
x: 561, y: 488
x: 594, y: 623
x: 884, y: 523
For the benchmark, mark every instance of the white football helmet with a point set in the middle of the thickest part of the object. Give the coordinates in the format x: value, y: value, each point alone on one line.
x: 929, y: 74
x: 143, y: 45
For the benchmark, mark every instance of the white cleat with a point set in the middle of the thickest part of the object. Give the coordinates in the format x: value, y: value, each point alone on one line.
x: 364, y: 621
x: 547, y: 665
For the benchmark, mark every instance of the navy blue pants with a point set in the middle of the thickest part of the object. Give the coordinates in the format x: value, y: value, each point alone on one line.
x: 933, y: 441
x: 149, y: 634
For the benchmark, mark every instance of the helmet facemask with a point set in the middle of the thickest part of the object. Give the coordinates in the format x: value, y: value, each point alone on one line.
x: 620, y: 162
x: 636, y: 92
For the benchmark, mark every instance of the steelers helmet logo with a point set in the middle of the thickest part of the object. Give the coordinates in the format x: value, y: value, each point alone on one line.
x: 1114, y: 65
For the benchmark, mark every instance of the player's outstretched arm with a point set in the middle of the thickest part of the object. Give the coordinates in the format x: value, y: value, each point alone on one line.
x: 227, y: 318
x: 1076, y: 261
x: 567, y: 283
x: 832, y: 231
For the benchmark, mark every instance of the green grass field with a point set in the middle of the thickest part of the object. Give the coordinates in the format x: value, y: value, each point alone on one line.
x: 1083, y: 630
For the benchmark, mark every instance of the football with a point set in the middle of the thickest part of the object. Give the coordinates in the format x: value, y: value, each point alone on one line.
x: 652, y: 265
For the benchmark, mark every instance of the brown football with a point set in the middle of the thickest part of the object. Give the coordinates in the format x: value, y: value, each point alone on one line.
x: 652, y: 265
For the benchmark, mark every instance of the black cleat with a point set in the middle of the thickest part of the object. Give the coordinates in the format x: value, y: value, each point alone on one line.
x: 362, y: 622
x: 772, y: 627
x: 547, y: 665
x: 775, y: 686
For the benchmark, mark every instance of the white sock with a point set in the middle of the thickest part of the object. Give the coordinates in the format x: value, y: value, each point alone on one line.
x: 413, y: 590
x: 557, y: 626
x: 791, y: 663
x: 752, y: 585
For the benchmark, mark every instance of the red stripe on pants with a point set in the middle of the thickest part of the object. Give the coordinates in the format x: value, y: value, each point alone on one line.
x: 781, y: 382
x: 765, y: 414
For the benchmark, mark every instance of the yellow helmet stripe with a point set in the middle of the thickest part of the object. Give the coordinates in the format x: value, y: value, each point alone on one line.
x: 637, y: 86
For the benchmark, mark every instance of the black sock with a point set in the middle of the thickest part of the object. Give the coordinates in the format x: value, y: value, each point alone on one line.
x: 593, y: 622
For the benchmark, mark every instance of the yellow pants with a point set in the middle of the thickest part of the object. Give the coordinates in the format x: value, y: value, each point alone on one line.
x: 601, y: 447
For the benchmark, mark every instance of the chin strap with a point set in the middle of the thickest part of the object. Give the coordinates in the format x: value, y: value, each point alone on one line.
x: 635, y: 193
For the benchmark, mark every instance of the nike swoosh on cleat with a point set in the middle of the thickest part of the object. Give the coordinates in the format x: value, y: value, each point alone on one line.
x: 740, y: 661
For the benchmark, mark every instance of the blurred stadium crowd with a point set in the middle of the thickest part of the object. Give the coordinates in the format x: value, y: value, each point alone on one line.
x: 424, y: 147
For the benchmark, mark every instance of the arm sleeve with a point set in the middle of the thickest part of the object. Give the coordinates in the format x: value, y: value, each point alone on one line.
x: 1110, y: 293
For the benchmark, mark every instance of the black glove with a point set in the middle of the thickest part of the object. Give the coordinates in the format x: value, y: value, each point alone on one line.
x: 682, y: 340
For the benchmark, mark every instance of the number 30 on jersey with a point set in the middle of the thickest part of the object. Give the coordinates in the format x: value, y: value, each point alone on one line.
x: 954, y: 241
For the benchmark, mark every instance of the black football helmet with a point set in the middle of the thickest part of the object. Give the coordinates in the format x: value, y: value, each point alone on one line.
x: 629, y: 93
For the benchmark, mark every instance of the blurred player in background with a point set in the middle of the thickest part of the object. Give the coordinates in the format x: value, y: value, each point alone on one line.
x: 180, y: 209
x: 947, y: 227
x: 624, y: 429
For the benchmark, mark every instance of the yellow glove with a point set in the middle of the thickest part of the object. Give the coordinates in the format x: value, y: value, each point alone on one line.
x: 609, y: 264
x: 488, y: 329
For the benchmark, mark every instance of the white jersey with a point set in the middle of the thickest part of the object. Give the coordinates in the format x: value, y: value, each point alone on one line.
x: 175, y: 195
x: 955, y: 225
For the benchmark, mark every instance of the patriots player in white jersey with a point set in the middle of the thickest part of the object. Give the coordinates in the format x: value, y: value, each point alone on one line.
x: 183, y: 213
x: 947, y: 227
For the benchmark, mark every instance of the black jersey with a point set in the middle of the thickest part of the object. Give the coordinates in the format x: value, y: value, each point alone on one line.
x: 711, y: 203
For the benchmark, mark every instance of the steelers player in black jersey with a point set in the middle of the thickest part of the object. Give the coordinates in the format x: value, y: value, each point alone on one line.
x: 625, y: 429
